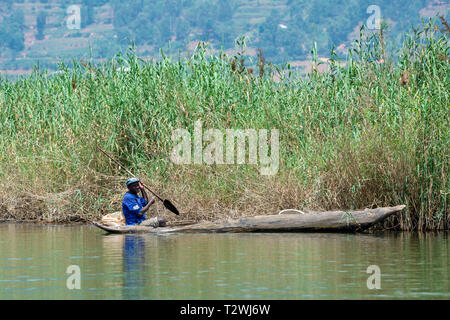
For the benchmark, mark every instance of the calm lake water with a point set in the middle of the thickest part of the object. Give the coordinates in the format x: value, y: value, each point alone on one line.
x: 34, y: 260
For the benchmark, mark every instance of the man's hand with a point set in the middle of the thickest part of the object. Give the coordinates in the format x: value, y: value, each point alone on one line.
x: 145, y: 209
x: 141, y: 186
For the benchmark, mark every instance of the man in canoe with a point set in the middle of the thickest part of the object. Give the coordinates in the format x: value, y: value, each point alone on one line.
x: 134, y: 207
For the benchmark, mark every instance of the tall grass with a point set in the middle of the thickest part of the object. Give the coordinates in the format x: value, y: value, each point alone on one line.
x: 363, y: 134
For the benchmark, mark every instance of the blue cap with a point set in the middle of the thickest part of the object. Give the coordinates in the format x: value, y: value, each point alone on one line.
x: 132, y: 180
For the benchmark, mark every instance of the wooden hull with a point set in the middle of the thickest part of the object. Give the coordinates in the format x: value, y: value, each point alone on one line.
x: 339, y: 221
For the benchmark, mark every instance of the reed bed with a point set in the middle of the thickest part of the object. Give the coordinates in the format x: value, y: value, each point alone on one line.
x: 364, y: 134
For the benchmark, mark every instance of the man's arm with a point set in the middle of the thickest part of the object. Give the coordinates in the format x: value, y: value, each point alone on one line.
x: 145, y: 209
x: 144, y: 193
x: 145, y: 196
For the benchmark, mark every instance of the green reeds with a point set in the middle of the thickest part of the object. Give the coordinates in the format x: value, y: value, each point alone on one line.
x: 366, y: 133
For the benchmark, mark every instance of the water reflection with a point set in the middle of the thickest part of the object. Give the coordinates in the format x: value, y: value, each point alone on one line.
x: 34, y: 259
x: 133, y: 255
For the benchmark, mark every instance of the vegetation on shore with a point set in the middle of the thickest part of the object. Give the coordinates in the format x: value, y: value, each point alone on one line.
x: 38, y: 30
x: 372, y: 131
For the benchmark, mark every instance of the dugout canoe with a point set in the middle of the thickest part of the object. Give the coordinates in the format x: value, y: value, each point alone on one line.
x: 289, y: 221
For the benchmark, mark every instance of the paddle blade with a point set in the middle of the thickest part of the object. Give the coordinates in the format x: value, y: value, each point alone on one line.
x: 169, y: 206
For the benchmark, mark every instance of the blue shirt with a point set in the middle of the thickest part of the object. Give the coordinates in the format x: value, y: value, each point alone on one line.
x: 132, y: 205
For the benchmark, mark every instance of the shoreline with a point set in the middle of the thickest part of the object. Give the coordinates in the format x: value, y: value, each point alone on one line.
x: 372, y: 230
x: 380, y: 226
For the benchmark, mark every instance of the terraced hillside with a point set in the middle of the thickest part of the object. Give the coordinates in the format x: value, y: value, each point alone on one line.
x: 34, y: 31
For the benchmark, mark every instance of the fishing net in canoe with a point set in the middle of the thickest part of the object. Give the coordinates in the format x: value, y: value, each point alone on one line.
x: 114, y: 219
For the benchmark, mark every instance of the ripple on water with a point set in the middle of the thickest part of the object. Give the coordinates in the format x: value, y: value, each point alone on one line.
x: 295, y: 266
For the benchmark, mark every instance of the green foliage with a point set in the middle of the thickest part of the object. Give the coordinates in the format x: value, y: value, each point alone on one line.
x: 87, y: 15
x: 11, y: 31
x: 152, y: 24
x: 157, y: 22
x: 41, y: 21
x: 363, y: 134
x: 325, y: 22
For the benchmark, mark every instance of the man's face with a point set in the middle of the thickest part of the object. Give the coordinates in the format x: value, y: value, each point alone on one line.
x: 134, y: 187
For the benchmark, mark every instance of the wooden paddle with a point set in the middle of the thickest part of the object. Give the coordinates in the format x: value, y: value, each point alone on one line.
x: 169, y: 205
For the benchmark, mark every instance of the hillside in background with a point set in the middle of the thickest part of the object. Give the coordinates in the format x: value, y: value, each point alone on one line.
x: 286, y: 30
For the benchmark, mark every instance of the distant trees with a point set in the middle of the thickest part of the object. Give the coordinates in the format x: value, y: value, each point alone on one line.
x: 182, y: 29
x: 40, y: 24
x: 290, y: 29
x: 173, y: 8
x: 327, y: 23
x: 225, y: 12
x: 11, y: 31
x: 165, y: 30
x: 158, y: 21
x: 87, y: 14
